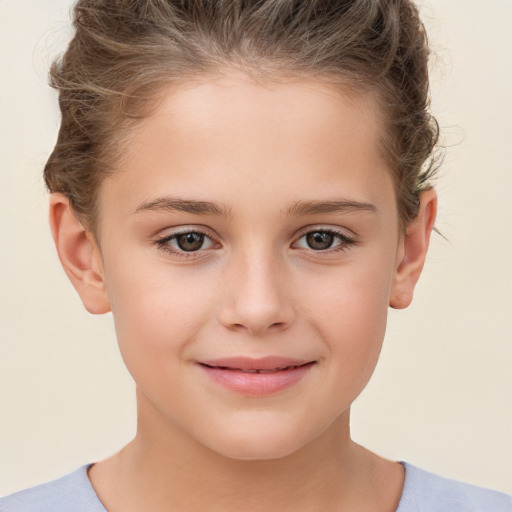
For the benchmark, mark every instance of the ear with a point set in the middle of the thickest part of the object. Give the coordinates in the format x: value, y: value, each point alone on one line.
x: 413, y: 251
x: 79, y: 254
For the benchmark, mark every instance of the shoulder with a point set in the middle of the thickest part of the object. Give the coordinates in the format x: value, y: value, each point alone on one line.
x: 426, y: 492
x: 70, y: 493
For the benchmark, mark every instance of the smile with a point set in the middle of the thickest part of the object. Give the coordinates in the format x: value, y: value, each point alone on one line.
x: 274, y: 370
x: 257, y: 377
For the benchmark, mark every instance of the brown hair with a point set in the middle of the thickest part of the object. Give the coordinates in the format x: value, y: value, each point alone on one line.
x: 124, y: 51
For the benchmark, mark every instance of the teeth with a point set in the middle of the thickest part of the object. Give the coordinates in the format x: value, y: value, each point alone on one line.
x: 273, y: 370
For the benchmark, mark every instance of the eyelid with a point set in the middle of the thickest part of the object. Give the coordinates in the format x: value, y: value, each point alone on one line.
x: 163, y: 242
x: 346, y: 240
x: 342, y: 231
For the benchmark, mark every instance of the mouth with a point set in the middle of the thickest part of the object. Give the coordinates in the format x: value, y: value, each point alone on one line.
x: 256, y: 370
x: 257, y: 377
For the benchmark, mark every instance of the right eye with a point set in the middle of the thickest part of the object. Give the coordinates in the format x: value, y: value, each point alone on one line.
x: 185, y: 243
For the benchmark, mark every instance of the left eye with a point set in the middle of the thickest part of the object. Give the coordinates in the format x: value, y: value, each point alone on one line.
x: 321, y: 240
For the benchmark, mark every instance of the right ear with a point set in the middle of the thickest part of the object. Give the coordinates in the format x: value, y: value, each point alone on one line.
x: 79, y: 255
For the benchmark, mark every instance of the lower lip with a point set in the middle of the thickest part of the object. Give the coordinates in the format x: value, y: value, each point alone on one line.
x: 257, y: 384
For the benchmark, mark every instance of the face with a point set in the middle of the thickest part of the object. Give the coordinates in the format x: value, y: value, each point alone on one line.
x: 248, y: 245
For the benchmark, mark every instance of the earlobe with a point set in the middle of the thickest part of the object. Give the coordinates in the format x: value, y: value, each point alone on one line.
x: 79, y: 255
x: 413, y: 251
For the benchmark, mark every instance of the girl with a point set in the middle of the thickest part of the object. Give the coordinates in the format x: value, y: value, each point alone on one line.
x: 245, y: 185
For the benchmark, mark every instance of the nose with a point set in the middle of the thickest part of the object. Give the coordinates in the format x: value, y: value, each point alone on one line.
x: 256, y: 296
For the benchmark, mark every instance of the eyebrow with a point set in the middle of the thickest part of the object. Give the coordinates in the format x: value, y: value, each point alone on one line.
x: 297, y: 208
x: 185, y: 205
x: 300, y: 208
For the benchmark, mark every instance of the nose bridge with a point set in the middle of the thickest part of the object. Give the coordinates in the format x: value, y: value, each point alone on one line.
x: 256, y: 293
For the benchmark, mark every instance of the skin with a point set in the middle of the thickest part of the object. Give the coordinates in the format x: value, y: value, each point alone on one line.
x: 255, y: 288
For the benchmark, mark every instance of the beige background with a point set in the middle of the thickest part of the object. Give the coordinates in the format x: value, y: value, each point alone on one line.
x: 441, y: 397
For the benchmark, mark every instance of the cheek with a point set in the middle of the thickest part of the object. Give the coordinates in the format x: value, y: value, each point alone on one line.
x: 350, y: 316
x: 158, y: 312
x: 355, y: 296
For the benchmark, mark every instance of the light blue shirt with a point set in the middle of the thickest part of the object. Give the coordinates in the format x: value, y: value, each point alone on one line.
x: 423, y: 492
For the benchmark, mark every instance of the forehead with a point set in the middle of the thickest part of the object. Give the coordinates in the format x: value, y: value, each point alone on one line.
x: 214, y: 109
x: 226, y: 133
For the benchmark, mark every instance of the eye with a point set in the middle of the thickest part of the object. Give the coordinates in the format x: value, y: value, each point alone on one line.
x: 185, y: 242
x: 324, y: 239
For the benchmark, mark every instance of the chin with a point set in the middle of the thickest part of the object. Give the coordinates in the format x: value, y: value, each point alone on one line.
x: 258, y: 453
x: 257, y: 444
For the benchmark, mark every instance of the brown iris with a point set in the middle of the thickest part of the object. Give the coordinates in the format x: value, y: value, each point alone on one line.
x: 190, y: 241
x: 319, y: 240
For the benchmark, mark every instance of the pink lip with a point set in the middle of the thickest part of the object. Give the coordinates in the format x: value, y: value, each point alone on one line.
x: 256, y: 377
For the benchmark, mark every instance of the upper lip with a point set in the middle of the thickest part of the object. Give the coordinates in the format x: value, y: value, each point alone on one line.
x: 249, y: 363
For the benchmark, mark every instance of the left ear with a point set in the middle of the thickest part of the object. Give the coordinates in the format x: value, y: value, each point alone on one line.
x: 413, y: 251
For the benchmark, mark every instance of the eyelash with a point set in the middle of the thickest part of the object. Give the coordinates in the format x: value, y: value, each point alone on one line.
x: 345, y: 242
x: 163, y: 243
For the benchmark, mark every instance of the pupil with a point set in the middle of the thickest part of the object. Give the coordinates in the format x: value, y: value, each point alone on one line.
x: 319, y: 240
x: 190, y: 241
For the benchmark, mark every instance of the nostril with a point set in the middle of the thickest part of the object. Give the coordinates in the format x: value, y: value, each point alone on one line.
x: 274, y: 325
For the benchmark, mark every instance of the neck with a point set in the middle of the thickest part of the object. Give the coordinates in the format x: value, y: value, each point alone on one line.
x: 165, y: 469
